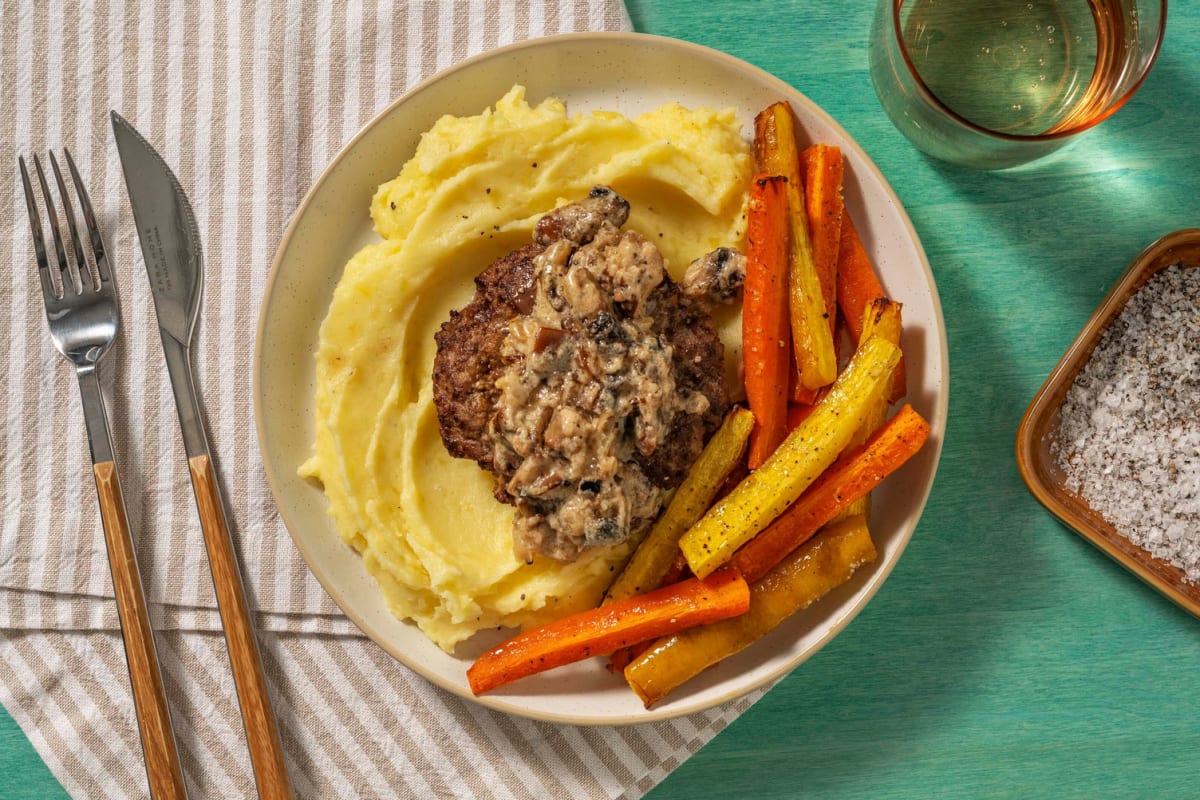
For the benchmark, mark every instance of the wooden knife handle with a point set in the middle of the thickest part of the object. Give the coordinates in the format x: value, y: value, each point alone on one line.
x: 149, y: 696
x: 262, y: 734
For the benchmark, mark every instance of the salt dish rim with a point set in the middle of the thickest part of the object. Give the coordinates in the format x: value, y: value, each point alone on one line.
x: 1040, y: 423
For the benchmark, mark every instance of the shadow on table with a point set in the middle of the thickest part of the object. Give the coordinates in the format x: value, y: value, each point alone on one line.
x: 1091, y: 200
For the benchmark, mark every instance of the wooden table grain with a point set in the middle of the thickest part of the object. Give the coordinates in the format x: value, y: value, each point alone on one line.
x: 1004, y: 657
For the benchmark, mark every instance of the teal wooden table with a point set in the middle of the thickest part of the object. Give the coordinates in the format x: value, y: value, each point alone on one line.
x: 1004, y: 657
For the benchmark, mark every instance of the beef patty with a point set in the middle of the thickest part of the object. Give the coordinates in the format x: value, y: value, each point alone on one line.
x: 481, y: 343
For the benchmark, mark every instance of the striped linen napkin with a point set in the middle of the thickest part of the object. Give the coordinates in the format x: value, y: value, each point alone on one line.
x: 248, y: 102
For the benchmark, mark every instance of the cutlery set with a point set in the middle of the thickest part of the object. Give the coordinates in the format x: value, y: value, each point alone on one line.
x: 79, y: 289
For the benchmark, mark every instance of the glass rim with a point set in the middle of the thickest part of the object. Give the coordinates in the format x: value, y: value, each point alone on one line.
x: 928, y: 94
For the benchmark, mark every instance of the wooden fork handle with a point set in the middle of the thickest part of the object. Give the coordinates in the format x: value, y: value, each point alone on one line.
x: 149, y: 696
x: 262, y: 734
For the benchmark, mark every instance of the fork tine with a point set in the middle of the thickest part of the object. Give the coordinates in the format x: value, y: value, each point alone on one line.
x: 39, y: 241
x: 64, y: 267
x: 89, y: 219
x: 81, y: 264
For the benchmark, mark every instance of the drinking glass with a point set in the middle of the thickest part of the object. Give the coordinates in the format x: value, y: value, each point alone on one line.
x: 993, y: 84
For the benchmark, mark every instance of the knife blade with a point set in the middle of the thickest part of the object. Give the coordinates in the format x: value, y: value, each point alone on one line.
x: 171, y: 249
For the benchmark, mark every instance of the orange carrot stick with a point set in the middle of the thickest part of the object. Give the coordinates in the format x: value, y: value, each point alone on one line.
x: 857, y: 287
x: 776, y: 153
x: 678, y: 571
x: 823, y: 172
x: 602, y: 630
x: 765, y: 315
x: 849, y: 478
x: 809, y: 573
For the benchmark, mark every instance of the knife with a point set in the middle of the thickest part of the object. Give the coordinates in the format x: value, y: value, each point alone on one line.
x: 170, y: 242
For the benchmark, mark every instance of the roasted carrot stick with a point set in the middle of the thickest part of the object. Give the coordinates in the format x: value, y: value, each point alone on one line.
x: 857, y: 287
x: 809, y: 573
x: 776, y: 152
x: 882, y: 318
x: 857, y: 282
x: 652, y: 559
x: 823, y: 172
x: 602, y: 630
x: 678, y: 571
x: 851, y: 477
x: 806, y: 452
x: 764, y: 314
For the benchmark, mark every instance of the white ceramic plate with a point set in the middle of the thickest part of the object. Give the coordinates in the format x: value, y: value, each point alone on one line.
x: 629, y: 73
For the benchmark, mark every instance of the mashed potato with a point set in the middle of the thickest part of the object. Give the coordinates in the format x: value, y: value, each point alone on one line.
x: 426, y: 524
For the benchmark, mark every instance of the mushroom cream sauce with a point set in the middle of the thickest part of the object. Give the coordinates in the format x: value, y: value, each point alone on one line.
x: 427, y: 525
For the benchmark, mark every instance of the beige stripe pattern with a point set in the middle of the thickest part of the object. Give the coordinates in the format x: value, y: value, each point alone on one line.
x: 353, y: 724
x: 248, y: 102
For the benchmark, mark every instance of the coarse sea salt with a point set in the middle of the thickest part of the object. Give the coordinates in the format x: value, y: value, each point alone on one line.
x: 1129, y: 439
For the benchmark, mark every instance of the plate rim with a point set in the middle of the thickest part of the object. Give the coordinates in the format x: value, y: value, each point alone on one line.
x: 938, y: 418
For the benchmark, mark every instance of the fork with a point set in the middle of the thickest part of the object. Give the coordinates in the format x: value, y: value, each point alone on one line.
x: 83, y: 315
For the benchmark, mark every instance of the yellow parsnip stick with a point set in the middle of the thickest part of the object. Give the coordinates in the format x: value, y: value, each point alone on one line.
x: 807, y: 451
